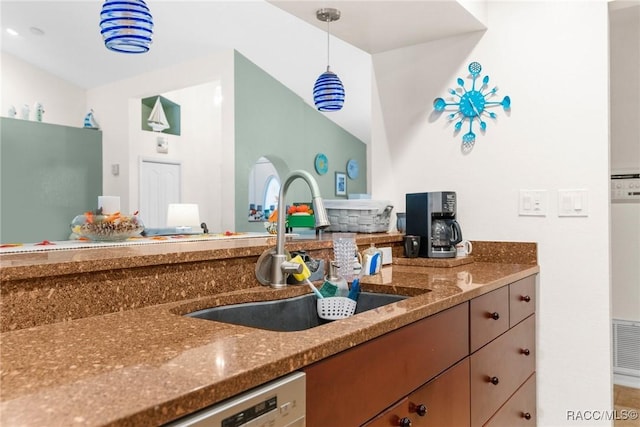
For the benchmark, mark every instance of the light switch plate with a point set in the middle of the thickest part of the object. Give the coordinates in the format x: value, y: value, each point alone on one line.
x: 533, y: 202
x: 573, y: 202
x: 162, y: 144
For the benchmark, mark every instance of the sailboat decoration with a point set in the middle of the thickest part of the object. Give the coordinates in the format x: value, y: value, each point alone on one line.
x: 157, y: 119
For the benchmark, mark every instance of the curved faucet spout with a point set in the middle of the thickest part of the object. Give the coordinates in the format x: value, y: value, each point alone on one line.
x: 321, y: 221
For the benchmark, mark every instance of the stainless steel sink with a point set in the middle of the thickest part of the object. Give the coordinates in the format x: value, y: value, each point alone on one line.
x: 286, y: 315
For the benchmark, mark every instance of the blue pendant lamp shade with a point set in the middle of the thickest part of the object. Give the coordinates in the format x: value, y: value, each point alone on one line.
x: 328, y: 91
x: 126, y: 26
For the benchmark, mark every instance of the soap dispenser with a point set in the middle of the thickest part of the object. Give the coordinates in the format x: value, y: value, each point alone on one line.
x: 334, y: 285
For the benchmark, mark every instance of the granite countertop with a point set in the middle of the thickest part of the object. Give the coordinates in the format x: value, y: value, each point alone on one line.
x: 135, y: 360
x: 55, y: 262
x: 150, y: 365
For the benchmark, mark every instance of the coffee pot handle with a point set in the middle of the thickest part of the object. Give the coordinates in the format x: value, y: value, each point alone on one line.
x: 457, y: 233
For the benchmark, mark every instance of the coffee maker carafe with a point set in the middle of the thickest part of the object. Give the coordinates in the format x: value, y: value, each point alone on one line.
x: 432, y: 216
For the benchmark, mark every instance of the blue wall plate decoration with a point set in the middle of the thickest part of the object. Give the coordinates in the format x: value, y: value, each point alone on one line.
x: 321, y: 164
x: 353, y: 169
x: 471, y: 105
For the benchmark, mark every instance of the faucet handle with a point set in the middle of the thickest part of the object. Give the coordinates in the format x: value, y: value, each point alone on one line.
x: 289, y: 267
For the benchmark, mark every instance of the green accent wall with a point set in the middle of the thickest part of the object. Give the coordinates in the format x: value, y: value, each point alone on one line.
x: 49, y: 174
x: 272, y: 121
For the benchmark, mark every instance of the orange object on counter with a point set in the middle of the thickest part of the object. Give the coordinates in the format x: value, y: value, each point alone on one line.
x: 10, y: 245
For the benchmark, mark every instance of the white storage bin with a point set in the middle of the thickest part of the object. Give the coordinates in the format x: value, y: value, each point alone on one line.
x: 358, y: 216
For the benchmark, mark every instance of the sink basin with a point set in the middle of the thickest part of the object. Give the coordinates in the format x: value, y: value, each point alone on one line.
x: 286, y: 315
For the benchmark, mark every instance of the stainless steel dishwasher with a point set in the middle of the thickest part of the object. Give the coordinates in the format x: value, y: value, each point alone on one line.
x: 279, y: 403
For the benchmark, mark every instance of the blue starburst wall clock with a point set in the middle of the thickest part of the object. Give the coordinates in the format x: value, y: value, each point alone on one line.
x: 472, y: 105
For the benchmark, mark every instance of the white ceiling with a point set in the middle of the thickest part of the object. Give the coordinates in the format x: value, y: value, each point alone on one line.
x: 282, y: 37
x: 378, y: 26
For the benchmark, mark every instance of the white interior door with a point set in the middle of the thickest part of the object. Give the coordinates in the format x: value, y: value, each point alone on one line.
x: 159, y: 186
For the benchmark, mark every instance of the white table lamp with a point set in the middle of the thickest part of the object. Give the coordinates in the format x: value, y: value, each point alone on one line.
x: 183, y: 216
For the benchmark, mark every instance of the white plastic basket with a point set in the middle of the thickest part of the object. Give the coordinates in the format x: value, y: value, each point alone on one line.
x: 334, y: 308
x: 358, y: 216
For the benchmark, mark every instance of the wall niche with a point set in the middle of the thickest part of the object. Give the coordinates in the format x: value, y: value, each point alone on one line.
x: 171, y: 111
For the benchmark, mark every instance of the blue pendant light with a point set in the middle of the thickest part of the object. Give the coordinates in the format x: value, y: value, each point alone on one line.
x: 126, y: 26
x: 328, y: 92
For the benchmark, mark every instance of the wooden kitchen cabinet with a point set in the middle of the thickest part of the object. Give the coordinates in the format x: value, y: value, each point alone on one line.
x: 461, y: 367
x: 520, y: 409
x: 352, y: 387
x: 396, y: 415
x: 500, y: 366
x: 489, y: 317
x: 522, y: 302
x: 442, y: 402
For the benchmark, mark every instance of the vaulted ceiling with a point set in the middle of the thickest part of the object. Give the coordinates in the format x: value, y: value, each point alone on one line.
x: 282, y: 37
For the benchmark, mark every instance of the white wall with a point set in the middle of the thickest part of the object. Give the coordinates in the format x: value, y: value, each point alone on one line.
x: 22, y: 83
x: 551, y: 58
x: 208, y: 177
x: 198, y: 148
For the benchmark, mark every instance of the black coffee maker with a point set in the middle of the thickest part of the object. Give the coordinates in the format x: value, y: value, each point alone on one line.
x: 432, y: 216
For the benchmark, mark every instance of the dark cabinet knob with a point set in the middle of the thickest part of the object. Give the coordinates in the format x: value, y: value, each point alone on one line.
x: 495, y: 315
x: 421, y: 410
x: 494, y: 380
x: 525, y: 351
x: 404, y: 422
x: 525, y: 298
x: 526, y: 416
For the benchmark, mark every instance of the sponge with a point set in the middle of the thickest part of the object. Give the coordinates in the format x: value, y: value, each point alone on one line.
x: 328, y: 289
x: 305, y: 274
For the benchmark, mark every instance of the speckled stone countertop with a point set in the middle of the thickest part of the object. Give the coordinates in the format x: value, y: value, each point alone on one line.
x: 148, y: 365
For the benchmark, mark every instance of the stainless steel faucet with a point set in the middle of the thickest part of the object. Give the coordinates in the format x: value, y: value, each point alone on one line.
x: 280, y: 267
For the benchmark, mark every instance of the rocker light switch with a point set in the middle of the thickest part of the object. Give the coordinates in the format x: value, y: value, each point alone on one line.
x: 573, y: 203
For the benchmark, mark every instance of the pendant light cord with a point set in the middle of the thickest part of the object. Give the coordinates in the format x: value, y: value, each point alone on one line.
x: 328, y: 91
x: 328, y: 37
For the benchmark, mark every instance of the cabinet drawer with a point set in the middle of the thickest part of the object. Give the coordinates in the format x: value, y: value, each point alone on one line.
x: 522, y: 299
x: 392, y: 416
x: 520, y: 409
x: 489, y: 317
x: 443, y: 402
x: 445, y: 398
x: 354, y: 386
x: 499, y: 368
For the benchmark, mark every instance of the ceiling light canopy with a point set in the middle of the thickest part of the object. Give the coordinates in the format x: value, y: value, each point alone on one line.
x: 126, y: 26
x: 328, y: 91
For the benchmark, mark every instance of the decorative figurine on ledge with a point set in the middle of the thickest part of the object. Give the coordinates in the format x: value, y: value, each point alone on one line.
x: 90, y: 121
x: 39, y: 111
